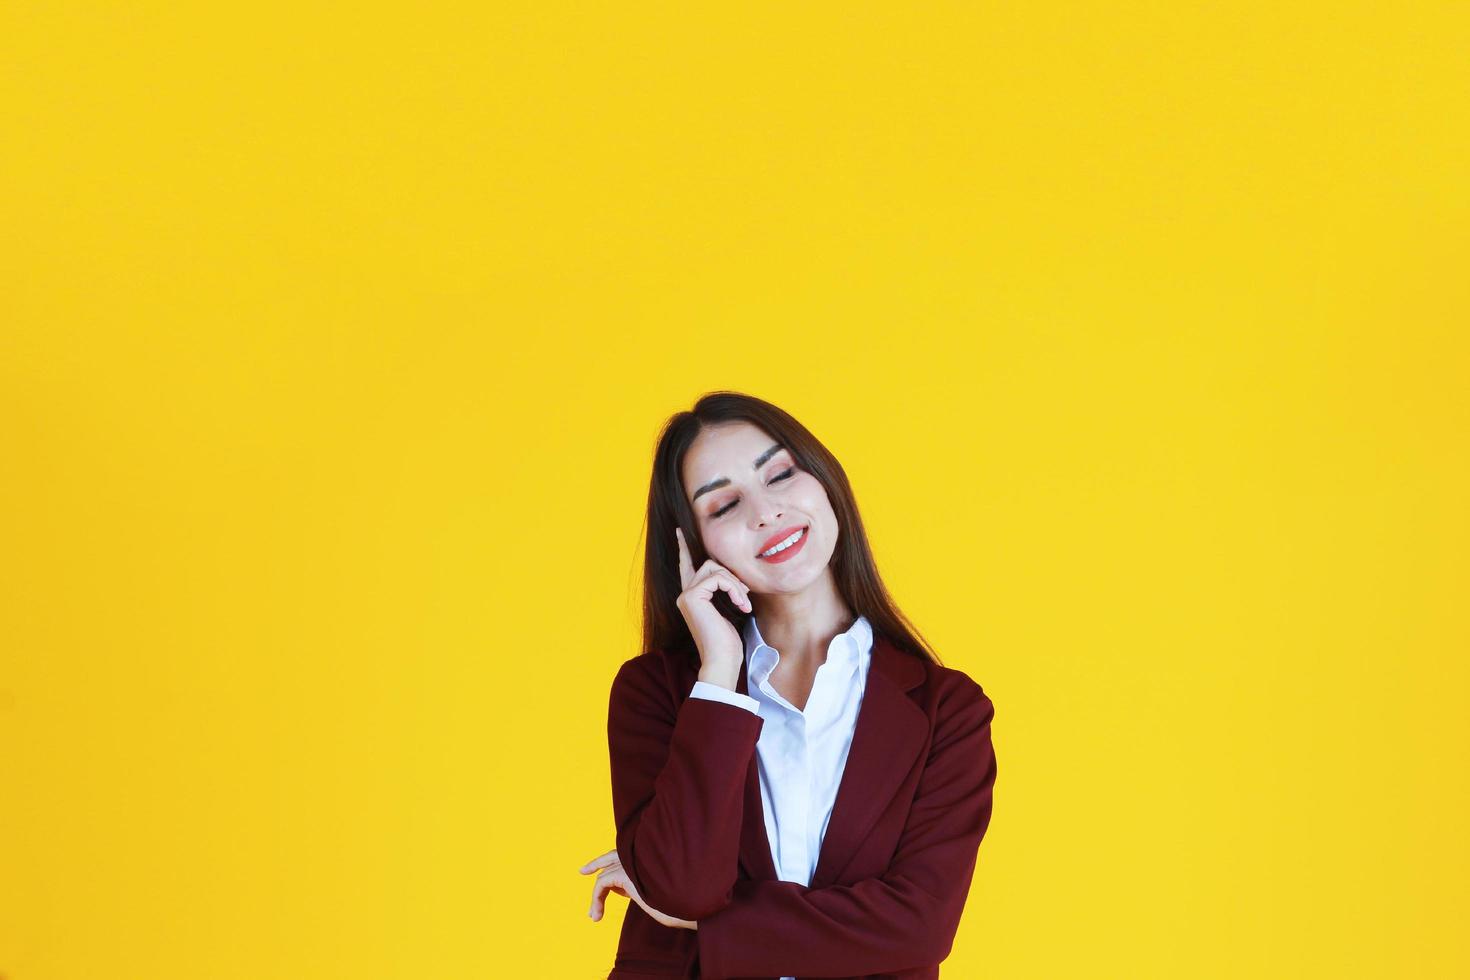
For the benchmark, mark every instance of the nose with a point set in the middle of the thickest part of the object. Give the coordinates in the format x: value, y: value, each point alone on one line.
x: 767, y: 509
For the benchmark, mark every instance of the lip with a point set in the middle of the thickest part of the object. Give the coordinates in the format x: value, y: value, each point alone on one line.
x: 780, y: 536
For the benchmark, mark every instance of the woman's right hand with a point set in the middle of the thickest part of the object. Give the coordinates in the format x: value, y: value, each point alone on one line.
x: 719, y: 643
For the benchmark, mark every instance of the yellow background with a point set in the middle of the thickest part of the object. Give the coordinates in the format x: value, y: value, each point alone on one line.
x: 335, y: 340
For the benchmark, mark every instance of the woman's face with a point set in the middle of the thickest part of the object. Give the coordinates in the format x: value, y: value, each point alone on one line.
x: 748, y: 494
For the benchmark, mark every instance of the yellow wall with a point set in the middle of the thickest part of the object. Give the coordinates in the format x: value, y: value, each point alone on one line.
x: 334, y: 339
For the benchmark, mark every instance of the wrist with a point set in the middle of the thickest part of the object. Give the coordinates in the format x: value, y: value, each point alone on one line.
x: 721, y: 675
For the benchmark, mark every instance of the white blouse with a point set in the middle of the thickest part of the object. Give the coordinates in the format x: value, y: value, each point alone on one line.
x: 801, y: 753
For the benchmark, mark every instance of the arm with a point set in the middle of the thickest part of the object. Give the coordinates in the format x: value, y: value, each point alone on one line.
x: 678, y: 785
x: 905, y: 918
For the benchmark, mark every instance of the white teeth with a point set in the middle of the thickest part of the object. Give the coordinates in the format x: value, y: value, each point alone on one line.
x: 784, y: 544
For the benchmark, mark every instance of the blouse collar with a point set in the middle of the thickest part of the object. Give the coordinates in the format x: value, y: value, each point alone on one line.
x: 845, y: 649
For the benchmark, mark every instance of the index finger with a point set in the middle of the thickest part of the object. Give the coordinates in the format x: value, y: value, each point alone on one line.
x: 686, y: 564
x: 611, y: 857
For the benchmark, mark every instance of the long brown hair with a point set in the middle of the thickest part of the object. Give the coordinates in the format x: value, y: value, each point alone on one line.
x: 856, y: 574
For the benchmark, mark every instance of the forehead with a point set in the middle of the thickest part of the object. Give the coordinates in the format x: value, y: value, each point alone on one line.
x: 724, y: 451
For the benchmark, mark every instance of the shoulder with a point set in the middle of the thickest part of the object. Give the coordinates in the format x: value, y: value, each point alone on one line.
x: 951, y: 691
x: 960, y: 713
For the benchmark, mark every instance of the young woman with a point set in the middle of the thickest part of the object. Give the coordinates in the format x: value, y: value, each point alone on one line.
x: 800, y: 787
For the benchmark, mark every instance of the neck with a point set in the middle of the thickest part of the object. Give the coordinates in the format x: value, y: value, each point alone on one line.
x: 801, y: 625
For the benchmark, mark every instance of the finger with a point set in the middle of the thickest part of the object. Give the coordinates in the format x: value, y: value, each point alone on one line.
x: 743, y: 599
x: 611, y: 857
x: 719, y: 578
x: 594, y: 911
x: 712, y: 565
x: 607, y: 883
x: 604, y: 884
x: 734, y: 587
x: 686, y: 564
x: 744, y: 590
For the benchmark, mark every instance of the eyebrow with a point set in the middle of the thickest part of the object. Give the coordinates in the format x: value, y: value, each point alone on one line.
x: 724, y: 481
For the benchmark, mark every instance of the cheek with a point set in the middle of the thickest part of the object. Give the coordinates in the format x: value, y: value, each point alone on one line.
x: 730, y: 551
x: 814, y: 500
x: 723, y: 547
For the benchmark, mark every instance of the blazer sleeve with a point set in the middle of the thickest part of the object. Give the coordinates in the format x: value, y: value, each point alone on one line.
x: 903, y: 919
x: 678, y: 784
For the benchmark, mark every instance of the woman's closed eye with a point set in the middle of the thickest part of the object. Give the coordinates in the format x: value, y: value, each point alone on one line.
x: 783, y: 475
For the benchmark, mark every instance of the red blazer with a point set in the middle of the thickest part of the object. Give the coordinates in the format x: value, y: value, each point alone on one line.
x: 896, y: 861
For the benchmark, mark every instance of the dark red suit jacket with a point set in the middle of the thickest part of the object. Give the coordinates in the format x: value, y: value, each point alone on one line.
x: 896, y: 861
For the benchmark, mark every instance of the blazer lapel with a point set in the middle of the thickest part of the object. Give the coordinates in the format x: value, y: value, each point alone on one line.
x: 755, y: 846
x: 891, y: 730
x: 886, y: 741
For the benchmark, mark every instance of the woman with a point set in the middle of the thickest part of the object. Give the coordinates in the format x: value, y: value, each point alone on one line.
x: 799, y: 785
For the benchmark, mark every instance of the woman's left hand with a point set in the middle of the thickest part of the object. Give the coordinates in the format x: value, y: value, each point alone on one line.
x: 615, y: 879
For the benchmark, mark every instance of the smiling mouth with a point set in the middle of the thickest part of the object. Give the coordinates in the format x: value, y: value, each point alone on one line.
x: 791, y: 542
